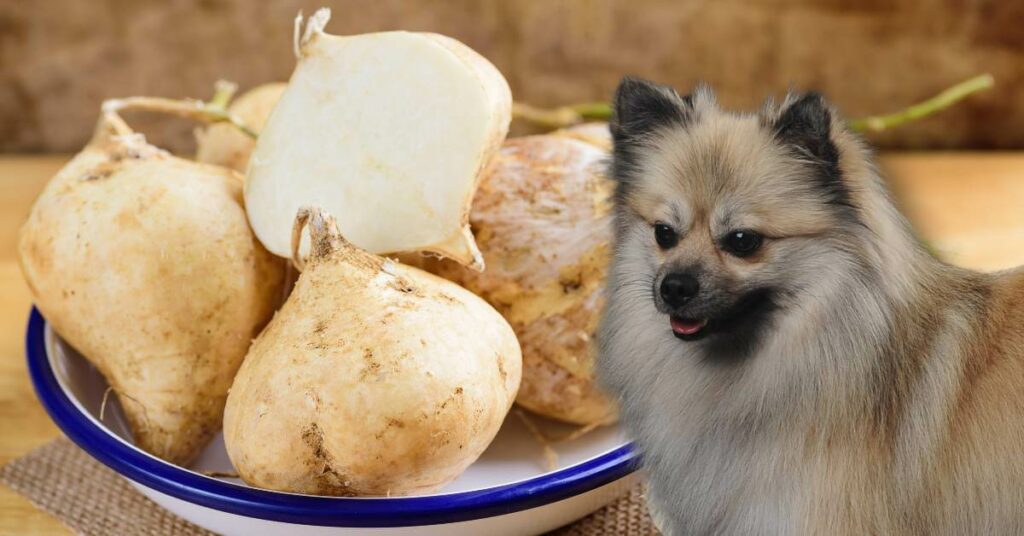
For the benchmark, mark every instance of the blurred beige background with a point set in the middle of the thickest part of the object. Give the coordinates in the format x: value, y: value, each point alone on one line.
x: 60, y: 58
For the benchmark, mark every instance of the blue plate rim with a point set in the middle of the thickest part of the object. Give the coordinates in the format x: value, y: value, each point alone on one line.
x: 304, y: 509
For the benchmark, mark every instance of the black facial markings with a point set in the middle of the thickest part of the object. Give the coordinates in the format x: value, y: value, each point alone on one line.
x: 806, y: 126
x: 735, y: 334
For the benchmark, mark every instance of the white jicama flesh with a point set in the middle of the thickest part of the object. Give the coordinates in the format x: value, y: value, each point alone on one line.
x: 374, y: 378
x: 224, y: 144
x: 542, y: 219
x: 387, y: 131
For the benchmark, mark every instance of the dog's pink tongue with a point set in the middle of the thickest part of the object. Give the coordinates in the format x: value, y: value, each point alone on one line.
x: 687, y: 327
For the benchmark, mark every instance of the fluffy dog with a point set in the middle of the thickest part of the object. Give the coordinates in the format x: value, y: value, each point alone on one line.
x: 788, y: 357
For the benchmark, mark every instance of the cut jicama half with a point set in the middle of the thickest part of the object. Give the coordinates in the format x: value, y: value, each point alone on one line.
x: 387, y: 131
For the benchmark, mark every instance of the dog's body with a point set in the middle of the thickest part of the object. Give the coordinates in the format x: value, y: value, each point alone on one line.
x: 833, y: 377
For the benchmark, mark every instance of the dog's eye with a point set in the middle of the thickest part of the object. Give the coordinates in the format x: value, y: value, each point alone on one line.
x: 665, y: 236
x: 742, y: 243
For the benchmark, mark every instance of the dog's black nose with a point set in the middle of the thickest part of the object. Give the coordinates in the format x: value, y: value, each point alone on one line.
x: 677, y: 289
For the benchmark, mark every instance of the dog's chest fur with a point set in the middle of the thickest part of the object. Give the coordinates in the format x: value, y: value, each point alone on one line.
x: 718, y: 477
x: 725, y: 478
x: 714, y: 471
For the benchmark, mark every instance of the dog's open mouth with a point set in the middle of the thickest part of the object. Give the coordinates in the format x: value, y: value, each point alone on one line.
x: 687, y: 328
x: 745, y: 317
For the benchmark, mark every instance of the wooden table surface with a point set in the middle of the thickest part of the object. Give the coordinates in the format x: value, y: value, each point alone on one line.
x: 968, y: 206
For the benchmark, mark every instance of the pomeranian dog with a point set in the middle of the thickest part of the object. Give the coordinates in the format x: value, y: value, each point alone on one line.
x: 788, y: 357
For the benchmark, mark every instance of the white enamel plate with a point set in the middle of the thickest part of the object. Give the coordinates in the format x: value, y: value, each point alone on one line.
x: 507, y: 491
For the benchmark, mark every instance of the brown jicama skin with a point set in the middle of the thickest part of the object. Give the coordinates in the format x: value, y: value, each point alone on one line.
x: 374, y: 378
x: 145, y: 264
x: 224, y: 144
x: 541, y: 217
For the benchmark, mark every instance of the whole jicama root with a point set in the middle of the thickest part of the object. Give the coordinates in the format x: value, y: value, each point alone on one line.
x: 145, y: 263
x: 374, y: 378
x: 541, y: 218
x: 224, y: 144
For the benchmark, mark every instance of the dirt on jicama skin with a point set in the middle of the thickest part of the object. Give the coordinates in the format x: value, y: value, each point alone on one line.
x: 326, y: 478
x: 522, y: 306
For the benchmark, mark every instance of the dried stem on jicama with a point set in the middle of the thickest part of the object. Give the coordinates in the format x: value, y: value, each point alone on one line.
x: 949, y: 97
x: 213, y: 111
x: 225, y: 144
x: 574, y: 114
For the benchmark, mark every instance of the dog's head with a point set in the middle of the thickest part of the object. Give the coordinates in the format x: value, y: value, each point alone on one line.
x: 728, y: 217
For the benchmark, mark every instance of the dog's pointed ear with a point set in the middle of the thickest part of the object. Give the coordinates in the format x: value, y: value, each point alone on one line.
x: 805, y: 123
x: 641, y: 106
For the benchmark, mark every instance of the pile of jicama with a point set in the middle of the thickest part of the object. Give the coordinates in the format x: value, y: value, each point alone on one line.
x: 445, y: 272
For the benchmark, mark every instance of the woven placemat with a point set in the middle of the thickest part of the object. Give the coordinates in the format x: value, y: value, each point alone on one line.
x: 93, y: 500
